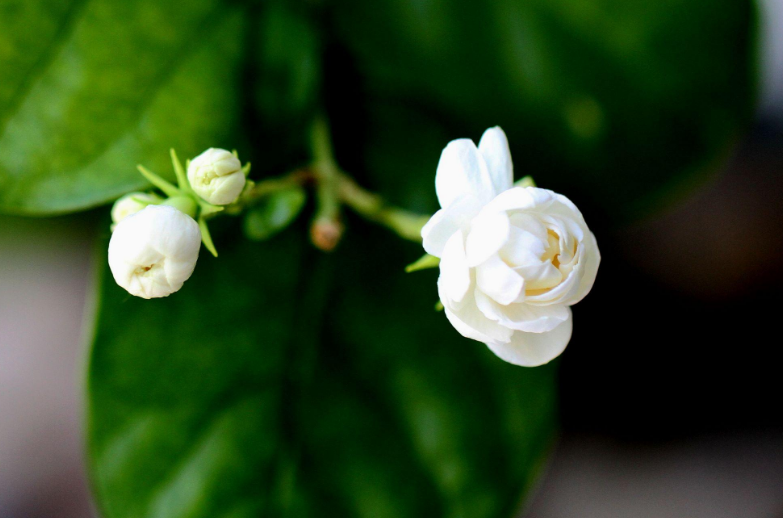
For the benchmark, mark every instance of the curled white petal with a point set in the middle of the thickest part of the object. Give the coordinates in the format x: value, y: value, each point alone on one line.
x: 493, y: 146
x: 454, y: 270
x: 534, y: 349
x: 470, y: 322
x: 521, y: 316
x: 444, y: 223
x: 488, y: 233
x: 592, y: 259
x: 499, y: 281
x: 153, y: 252
x: 462, y: 171
x: 216, y: 175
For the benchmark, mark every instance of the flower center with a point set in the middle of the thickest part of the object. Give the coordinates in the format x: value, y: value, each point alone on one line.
x: 552, y: 253
x: 143, y: 271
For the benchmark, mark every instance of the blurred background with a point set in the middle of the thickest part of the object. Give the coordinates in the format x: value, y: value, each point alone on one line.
x: 675, y: 412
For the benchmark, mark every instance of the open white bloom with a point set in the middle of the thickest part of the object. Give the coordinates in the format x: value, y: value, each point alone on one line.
x: 216, y: 175
x: 513, y: 259
x: 153, y: 252
x: 130, y: 204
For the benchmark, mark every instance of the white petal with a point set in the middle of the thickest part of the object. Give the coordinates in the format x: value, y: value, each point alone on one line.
x: 562, y: 206
x: 471, y: 323
x: 563, y: 293
x: 493, y: 146
x: 531, y: 199
x: 498, y: 280
x: 454, y: 279
x: 488, y: 233
x: 523, y: 317
x: 540, y: 276
x: 523, y: 248
x: 516, y: 198
x: 445, y: 222
x: 534, y: 349
x: 464, y: 329
x: 590, y: 261
x: 462, y: 171
x: 529, y: 223
x: 577, y: 282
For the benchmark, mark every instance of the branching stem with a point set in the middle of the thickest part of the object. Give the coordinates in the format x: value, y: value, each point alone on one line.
x: 333, y: 188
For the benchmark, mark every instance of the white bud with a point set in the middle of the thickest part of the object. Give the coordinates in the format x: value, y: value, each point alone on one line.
x: 153, y: 252
x: 216, y: 175
x: 130, y: 204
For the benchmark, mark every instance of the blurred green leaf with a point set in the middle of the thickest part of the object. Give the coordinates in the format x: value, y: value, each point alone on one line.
x: 285, y: 59
x: 275, y: 384
x: 619, y: 104
x: 88, y: 89
x: 274, y: 213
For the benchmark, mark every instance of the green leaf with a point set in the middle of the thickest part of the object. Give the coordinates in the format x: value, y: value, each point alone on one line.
x: 184, y: 392
x: 274, y: 213
x: 91, y: 88
x: 286, y: 50
x: 273, y: 384
x: 619, y: 104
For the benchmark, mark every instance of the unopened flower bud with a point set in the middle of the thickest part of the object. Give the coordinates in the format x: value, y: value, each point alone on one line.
x: 216, y: 175
x: 325, y: 234
x: 130, y: 204
x: 153, y: 252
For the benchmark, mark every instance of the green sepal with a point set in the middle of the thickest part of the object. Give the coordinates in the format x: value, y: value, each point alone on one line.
x: 439, y: 306
x: 206, y: 238
x: 184, y: 204
x: 167, y: 188
x: 207, y: 208
x: 246, y: 169
x: 158, y: 200
x: 525, y: 181
x: 424, y: 262
x: 182, y: 178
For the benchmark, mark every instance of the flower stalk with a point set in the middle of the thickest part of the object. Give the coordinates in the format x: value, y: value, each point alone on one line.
x: 326, y: 229
x: 404, y: 223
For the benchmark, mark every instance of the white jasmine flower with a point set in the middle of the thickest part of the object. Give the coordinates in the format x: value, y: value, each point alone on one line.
x: 130, y: 204
x: 513, y: 259
x: 153, y: 252
x: 216, y: 175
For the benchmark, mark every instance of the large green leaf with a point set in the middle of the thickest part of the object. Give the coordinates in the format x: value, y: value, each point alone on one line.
x: 90, y: 88
x: 616, y: 103
x: 612, y: 101
x: 243, y: 396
